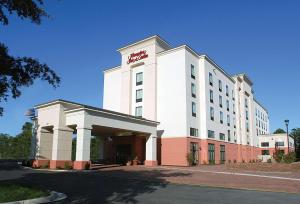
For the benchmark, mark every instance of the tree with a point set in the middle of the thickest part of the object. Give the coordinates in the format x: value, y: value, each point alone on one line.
x: 295, y: 134
x: 278, y: 131
x: 17, y: 147
x: 16, y: 72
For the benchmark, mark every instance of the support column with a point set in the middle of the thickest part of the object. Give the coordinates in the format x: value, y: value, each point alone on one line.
x: 151, y: 150
x: 83, y: 148
x: 61, y: 148
x: 44, y: 142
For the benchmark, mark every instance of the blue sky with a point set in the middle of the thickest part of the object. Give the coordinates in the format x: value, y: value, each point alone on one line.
x: 260, y: 38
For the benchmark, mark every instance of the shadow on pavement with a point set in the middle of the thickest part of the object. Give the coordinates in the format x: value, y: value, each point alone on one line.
x: 113, y: 185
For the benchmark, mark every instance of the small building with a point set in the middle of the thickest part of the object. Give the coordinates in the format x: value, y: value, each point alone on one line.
x: 269, y: 143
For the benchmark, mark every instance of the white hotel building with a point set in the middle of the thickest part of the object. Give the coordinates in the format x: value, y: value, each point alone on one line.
x: 159, y: 105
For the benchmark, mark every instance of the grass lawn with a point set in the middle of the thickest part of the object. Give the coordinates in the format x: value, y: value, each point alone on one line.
x: 14, y: 192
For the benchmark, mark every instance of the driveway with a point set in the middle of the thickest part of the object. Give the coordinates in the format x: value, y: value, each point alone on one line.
x: 137, y: 185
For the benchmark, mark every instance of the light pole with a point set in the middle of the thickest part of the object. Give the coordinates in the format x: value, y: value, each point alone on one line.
x: 287, y: 134
x: 31, y: 114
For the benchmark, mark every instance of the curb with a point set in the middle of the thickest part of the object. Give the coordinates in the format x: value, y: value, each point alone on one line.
x: 53, y: 197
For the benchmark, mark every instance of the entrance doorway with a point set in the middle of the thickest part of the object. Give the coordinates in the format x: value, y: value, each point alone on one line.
x: 123, y: 153
x: 222, y: 154
x: 194, y: 153
x: 211, y: 153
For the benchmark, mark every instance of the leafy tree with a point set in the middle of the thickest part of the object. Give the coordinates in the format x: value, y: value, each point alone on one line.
x: 16, y: 72
x: 278, y: 131
x: 295, y: 133
x: 16, y: 147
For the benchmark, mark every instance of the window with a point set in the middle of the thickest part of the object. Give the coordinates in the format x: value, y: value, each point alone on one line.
x: 247, y: 126
x: 193, y: 71
x: 232, y: 93
x: 139, y: 95
x: 227, y: 90
x: 210, y: 79
x: 220, y: 101
x: 233, y: 108
x: 221, y: 117
x: 139, y: 111
x: 279, y: 144
x: 194, y: 109
x: 222, y: 154
x: 264, y: 144
x: 194, y: 132
x: 265, y: 152
x: 220, y: 85
x: 222, y: 136
x: 228, y: 120
x: 247, y: 115
x: 212, y: 114
x: 229, y: 135
x: 211, y: 153
x: 227, y: 105
x: 193, y: 90
x: 139, y: 78
x: 234, y: 135
x: 211, y: 134
x: 211, y: 96
x: 234, y: 122
x: 246, y: 102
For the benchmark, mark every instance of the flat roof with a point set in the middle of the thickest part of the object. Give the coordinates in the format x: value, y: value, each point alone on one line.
x: 83, y: 106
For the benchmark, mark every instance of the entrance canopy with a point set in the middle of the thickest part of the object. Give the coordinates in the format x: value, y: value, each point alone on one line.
x: 59, y: 119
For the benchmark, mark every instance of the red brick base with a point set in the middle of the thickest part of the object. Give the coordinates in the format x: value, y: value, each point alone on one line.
x: 40, y: 162
x: 81, y: 165
x: 54, y: 164
x: 150, y: 163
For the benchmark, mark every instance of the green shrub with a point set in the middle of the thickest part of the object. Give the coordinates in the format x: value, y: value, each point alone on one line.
x: 46, y: 166
x: 269, y: 161
x: 190, y: 159
x: 289, y: 158
x: 68, y: 165
x: 234, y: 161
x: 278, y: 155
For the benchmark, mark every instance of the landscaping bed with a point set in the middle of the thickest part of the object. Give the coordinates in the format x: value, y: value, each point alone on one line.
x: 280, y: 167
x: 15, y: 192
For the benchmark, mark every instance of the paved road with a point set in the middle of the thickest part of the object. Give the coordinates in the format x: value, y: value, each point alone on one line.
x: 114, y: 186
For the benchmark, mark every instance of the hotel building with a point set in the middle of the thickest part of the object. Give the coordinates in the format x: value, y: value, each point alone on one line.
x: 161, y: 105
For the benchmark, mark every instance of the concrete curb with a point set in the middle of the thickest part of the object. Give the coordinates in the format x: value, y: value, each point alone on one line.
x: 53, y: 197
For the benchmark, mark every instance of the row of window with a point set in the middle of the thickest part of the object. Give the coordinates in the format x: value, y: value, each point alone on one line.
x: 139, y: 94
x: 211, y: 99
x: 211, y: 134
x: 212, y: 117
x: 277, y: 144
x: 211, y: 83
x: 261, y: 124
x: 261, y: 115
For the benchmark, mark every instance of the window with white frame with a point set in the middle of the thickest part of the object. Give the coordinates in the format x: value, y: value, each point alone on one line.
x: 210, y: 79
x: 222, y: 136
x: 193, y: 90
x: 139, y: 95
x: 211, y: 96
x: 220, y: 101
x: 194, y: 109
x: 194, y: 132
x: 227, y: 90
x: 211, y: 134
x: 193, y: 75
x: 228, y: 120
x: 139, y: 111
x: 212, y: 117
x: 220, y: 85
x: 221, y: 117
x: 139, y: 78
x: 229, y: 135
x: 227, y: 105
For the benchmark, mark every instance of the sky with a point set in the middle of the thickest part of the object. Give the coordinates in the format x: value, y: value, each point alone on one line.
x: 80, y: 39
